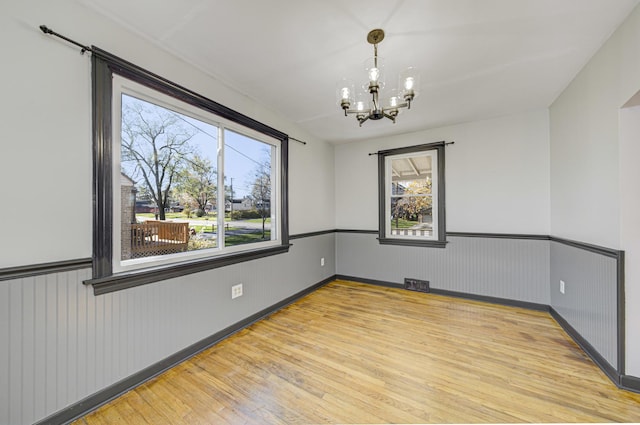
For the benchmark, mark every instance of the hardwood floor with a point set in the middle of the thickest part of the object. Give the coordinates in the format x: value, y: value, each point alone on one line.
x: 355, y: 353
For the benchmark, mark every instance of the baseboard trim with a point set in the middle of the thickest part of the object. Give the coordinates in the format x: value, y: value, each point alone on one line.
x: 597, y: 358
x: 630, y: 383
x: 464, y: 295
x: 104, y: 396
x: 492, y: 300
x: 369, y: 281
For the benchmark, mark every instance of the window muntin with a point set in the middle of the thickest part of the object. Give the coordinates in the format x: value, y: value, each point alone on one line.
x: 411, y: 192
x: 187, y: 159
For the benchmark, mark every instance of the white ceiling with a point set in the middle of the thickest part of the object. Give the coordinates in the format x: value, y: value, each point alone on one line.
x: 478, y: 58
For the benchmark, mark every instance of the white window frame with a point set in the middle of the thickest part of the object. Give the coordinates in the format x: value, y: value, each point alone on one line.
x: 123, y: 85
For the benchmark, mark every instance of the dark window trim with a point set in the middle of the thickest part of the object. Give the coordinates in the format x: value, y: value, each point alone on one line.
x: 382, y: 220
x: 120, y: 281
x: 104, y: 65
x: 413, y: 242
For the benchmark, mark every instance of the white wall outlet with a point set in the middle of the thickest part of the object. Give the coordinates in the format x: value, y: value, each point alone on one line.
x: 562, y: 286
x: 236, y: 291
x: 322, y: 262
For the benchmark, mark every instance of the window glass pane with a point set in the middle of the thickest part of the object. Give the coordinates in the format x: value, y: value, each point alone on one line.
x: 168, y: 178
x: 411, y: 196
x: 249, y: 179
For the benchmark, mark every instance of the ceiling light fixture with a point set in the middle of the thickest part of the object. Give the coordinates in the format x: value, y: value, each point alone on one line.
x: 409, y: 82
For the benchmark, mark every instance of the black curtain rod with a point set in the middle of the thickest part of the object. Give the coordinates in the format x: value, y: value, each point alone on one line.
x: 130, y: 69
x: 378, y: 153
x: 296, y: 140
x: 83, y: 48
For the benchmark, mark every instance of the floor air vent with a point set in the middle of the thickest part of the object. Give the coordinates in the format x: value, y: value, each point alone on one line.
x: 416, y: 285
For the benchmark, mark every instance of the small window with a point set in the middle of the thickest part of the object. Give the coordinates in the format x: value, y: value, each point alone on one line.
x: 411, y: 187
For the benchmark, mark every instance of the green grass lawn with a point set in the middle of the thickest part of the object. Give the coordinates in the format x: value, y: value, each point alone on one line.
x: 231, y: 240
x: 403, y: 224
x: 206, y: 228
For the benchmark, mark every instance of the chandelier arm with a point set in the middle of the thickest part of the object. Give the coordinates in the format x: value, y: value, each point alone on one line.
x: 356, y: 111
x: 391, y: 117
x: 398, y: 106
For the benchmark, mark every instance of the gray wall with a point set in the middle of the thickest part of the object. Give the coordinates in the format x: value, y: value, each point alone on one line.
x: 515, y: 269
x: 589, y: 303
x: 60, y: 343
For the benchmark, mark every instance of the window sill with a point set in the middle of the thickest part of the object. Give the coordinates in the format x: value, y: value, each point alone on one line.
x: 120, y: 281
x: 412, y: 242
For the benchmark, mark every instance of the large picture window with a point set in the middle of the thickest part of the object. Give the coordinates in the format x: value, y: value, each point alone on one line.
x: 411, y: 187
x: 182, y: 183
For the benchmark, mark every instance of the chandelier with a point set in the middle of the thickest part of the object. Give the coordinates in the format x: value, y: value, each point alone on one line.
x: 356, y: 103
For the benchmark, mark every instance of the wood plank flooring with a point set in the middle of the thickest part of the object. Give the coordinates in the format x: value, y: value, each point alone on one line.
x: 355, y: 353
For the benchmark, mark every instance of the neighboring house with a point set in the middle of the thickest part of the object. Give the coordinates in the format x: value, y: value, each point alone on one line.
x: 243, y: 204
x: 145, y: 207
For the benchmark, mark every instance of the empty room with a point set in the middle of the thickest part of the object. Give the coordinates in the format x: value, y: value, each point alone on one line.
x: 293, y: 212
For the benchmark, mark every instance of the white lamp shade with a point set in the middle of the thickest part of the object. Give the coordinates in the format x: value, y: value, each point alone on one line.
x: 393, y: 100
x: 409, y: 81
x: 362, y: 102
x: 345, y: 91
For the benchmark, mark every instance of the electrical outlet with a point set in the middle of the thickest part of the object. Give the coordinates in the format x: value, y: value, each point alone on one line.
x: 236, y: 291
x: 562, y: 286
x: 322, y: 262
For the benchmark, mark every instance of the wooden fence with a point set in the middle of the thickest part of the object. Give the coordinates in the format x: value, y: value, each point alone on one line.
x: 158, y: 238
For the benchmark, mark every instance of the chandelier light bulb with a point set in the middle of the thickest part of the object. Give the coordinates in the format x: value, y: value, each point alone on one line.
x: 344, y: 94
x: 374, y: 75
x: 408, y: 83
x: 394, y: 100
